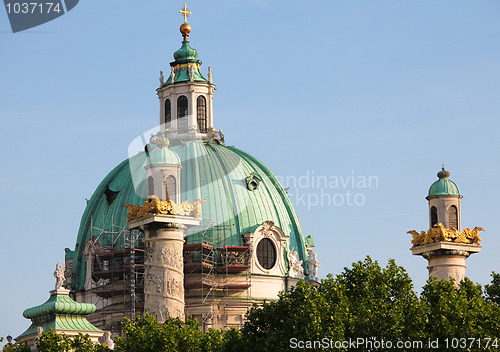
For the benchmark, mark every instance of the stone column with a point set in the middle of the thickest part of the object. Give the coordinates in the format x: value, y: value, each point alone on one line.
x: 164, y: 271
x: 162, y: 107
x: 173, y: 101
x: 164, y: 264
x: 210, y: 108
x: 447, y: 264
x: 446, y: 259
x: 192, y: 111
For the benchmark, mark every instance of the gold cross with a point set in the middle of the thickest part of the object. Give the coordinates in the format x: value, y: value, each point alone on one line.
x: 185, y: 12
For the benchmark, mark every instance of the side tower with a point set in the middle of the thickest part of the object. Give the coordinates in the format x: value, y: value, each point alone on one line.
x: 186, y: 108
x: 444, y: 245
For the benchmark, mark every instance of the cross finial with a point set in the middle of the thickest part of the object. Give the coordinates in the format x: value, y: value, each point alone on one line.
x: 443, y: 167
x: 185, y: 12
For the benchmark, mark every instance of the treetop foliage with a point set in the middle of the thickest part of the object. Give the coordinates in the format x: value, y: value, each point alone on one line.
x: 365, y: 301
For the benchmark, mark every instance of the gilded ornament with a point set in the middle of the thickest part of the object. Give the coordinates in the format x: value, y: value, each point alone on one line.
x: 156, y: 206
x: 189, y: 66
x: 438, y: 233
x: 185, y: 12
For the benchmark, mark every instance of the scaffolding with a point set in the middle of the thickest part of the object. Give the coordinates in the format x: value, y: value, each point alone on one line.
x: 236, y: 281
x: 217, y: 276
x: 117, y: 285
x: 200, y: 274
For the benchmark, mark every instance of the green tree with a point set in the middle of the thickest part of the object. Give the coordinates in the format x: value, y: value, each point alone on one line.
x: 82, y: 343
x: 231, y: 340
x: 50, y: 341
x: 493, y: 289
x: 377, y: 302
x: 302, y: 313
x: 459, y: 312
x: 15, y: 347
x: 148, y: 335
x: 373, y: 303
x: 364, y: 301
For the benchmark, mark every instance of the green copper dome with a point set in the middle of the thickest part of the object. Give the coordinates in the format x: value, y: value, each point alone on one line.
x: 444, y: 186
x: 60, y: 312
x: 162, y: 156
x: 214, y: 172
x: 59, y: 304
x: 186, y: 52
x: 186, y: 66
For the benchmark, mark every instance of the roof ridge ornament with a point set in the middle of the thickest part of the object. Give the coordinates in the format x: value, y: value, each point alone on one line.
x: 443, y: 173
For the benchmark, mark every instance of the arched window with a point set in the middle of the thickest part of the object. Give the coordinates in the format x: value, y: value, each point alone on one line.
x: 170, y: 187
x: 201, y: 113
x: 434, y: 216
x: 453, y: 217
x: 151, y: 186
x: 266, y: 253
x: 168, y: 113
x: 182, y: 113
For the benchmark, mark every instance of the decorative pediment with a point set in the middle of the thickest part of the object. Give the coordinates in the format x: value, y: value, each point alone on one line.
x: 268, y: 229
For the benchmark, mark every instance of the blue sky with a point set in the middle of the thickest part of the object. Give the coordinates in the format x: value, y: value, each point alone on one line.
x: 390, y: 89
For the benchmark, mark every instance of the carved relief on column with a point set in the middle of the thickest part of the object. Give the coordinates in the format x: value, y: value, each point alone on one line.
x: 164, y: 277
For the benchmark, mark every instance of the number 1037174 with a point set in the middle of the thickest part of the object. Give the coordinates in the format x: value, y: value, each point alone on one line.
x: 33, y: 7
x: 471, y: 342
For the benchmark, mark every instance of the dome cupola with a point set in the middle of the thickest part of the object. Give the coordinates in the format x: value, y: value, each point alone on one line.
x: 443, y: 186
x: 161, y: 155
x: 186, y: 96
x: 444, y: 202
x: 186, y: 54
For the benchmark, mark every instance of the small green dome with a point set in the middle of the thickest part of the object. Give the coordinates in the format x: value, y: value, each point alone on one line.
x: 59, y: 304
x: 186, y: 66
x: 60, y: 313
x: 162, y: 156
x: 444, y: 186
x: 185, y: 52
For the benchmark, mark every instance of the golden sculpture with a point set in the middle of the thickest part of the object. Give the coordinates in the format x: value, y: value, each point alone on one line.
x: 438, y: 233
x: 156, y: 206
x: 185, y: 12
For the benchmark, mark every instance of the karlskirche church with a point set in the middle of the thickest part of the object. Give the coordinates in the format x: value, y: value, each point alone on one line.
x: 190, y: 227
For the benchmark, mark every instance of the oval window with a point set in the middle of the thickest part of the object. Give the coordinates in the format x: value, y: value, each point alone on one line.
x: 266, y: 253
